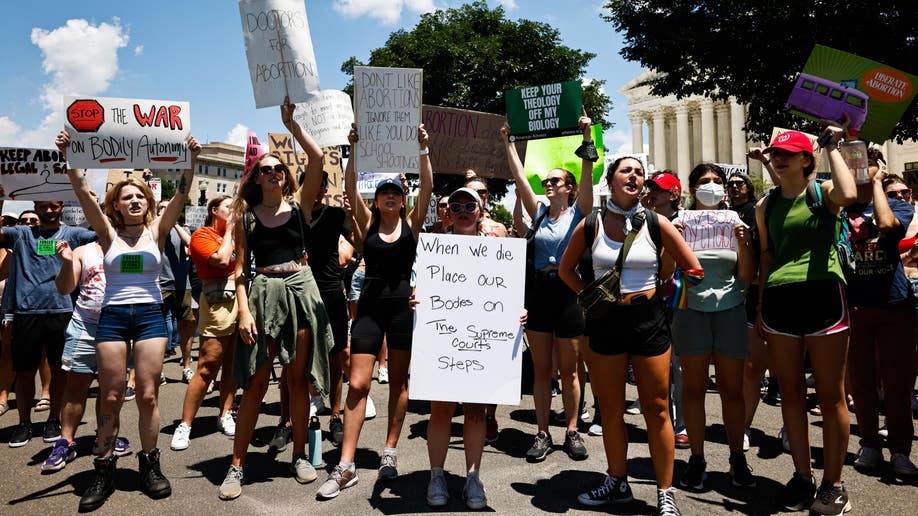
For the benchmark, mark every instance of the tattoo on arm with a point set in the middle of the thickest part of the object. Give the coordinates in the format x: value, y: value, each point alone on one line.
x: 183, y: 185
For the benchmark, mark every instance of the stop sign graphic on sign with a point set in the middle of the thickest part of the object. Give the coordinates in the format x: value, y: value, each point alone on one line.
x: 86, y: 116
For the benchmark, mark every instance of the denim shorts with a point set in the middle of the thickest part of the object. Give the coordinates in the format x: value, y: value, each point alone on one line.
x: 131, y: 323
x: 356, y: 285
x: 80, y: 348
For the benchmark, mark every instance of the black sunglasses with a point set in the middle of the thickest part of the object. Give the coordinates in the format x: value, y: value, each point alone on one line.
x: 482, y: 192
x: 736, y: 184
x: 457, y: 207
x: 442, y: 205
x: 893, y: 194
x: 267, y: 169
x: 554, y: 181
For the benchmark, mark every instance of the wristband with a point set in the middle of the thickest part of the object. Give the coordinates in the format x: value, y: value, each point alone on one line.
x: 766, y: 162
x: 425, y: 151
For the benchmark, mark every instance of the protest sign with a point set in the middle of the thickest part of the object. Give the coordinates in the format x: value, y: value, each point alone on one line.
x: 834, y: 83
x: 602, y: 186
x: 34, y: 175
x: 706, y: 230
x: 466, y: 325
x: 116, y: 176
x: 544, y: 111
x: 430, y: 216
x: 117, y: 133
x: 732, y: 168
x: 545, y: 155
x: 282, y: 145
x: 74, y: 216
x: 279, y: 50
x: 253, y: 150
x: 195, y: 216
x: 367, y: 181
x: 156, y: 186
x: 388, y: 110
x: 463, y: 140
x: 327, y: 117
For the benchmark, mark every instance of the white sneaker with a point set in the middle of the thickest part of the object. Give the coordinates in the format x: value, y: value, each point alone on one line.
x: 187, y: 375
x: 784, y: 441
x: 371, y: 408
x: 227, y: 424
x: 585, y: 415
x: 902, y: 465
x: 634, y: 409
x: 181, y: 438
x: 316, y: 405
x: 595, y: 430
x: 383, y: 375
x: 746, y: 439
x: 883, y: 432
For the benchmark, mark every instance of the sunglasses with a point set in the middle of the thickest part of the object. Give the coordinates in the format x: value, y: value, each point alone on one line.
x: 895, y: 194
x: 442, y: 205
x: 483, y: 192
x: 553, y: 181
x: 267, y: 169
x: 736, y: 184
x: 457, y: 207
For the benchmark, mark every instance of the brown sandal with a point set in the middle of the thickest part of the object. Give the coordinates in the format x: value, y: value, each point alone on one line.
x: 43, y: 404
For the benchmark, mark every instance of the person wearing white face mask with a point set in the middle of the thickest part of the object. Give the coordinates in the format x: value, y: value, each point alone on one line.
x: 713, y: 323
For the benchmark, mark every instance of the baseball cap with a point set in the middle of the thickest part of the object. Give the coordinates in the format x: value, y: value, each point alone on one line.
x: 10, y: 215
x: 667, y: 182
x: 791, y: 141
x: 389, y: 181
x: 468, y: 191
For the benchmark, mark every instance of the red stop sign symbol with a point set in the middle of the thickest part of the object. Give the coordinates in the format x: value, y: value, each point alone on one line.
x: 86, y: 116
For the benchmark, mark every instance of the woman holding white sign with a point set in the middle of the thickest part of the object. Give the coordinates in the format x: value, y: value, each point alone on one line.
x: 383, y: 311
x: 131, y: 320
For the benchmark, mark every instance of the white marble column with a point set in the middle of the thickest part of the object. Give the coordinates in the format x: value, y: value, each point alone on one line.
x: 708, y: 134
x: 637, y: 133
x: 683, y: 144
x: 695, y: 119
x: 737, y: 136
x: 659, y: 139
x: 650, y: 141
x: 723, y: 133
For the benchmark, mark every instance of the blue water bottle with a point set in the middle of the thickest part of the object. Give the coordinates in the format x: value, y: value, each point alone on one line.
x: 315, y: 442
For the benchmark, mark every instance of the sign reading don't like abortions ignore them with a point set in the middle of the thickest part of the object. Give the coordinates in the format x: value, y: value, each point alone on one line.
x: 387, y: 107
x: 127, y: 133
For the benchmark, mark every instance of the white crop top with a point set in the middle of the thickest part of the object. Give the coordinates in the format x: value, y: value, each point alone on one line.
x: 639, y: 272
x: 88, y: 304
x: 132, y: 275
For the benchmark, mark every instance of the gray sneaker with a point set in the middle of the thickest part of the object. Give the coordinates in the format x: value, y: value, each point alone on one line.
x: 474, y: 493
x: 437, y: 492
x: 302, y: 469
x: 388, y: 466
x: 231, y: 487
x: 339, y: 479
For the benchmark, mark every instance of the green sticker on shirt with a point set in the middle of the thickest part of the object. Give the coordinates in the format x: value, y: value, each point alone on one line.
x: 131, y: 263
x: 46, y: 247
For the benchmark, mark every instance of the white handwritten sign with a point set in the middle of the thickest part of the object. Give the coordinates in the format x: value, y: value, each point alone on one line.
x: 195, y: 216
x: 327, y: 117
x: 34, y: 174
x: 279, y: 50
x: 367, y: 181
x: 468, y: 341
x: 74, y: 216
x: 388, y: 111
x: 709, y: 229
x: 156, y: 186
x: 127, y: 133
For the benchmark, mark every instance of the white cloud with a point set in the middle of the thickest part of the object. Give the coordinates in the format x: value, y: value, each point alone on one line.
x: 238, y: 135
x: 138, y: 50
x: 509, y: 5
x: 386, y: 11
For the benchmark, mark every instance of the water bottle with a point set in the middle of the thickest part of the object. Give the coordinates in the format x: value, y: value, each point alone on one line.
x: 315, y: 442
x: 855, y: 155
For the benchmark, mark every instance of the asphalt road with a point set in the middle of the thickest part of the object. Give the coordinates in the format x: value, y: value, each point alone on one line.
x: 513, y: 486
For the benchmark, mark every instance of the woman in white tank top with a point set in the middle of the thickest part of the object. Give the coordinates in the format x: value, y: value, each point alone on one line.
x: 132, y: 240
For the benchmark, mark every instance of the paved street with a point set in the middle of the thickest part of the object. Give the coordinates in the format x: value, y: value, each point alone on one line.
x: 513, y: 486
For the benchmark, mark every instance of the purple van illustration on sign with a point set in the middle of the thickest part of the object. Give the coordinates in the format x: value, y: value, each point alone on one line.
x: 815, y: 97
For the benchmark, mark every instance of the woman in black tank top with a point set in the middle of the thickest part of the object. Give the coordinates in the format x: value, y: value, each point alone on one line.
x: 382, y: 311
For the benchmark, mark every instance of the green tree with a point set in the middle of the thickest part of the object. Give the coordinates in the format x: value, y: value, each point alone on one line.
x: 501, y: 214
x: 753, y: 50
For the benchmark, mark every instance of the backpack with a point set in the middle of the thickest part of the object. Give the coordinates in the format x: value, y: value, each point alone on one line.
x: 589, y: 234
x: 815, y: 203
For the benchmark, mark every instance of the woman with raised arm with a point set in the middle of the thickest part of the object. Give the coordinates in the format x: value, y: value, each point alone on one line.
x: 555, y: 318
x: 383, y: 311
x: 281, y: 313
x: 131, y: 321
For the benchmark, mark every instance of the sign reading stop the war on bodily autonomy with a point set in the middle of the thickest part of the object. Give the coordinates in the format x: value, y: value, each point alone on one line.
x: 127, y: 133
x: 34, y: 175
x: 279, y: 50
x: 544, y: 111
x: 705, y: 230
x: 282, y: 145
x: 388, y: 110
x: 327, y: 117
x: 468, y: 340
x: 463, y: 140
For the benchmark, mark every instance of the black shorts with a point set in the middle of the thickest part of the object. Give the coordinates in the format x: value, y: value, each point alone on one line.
x: 336, y: 307
x: 37, y: 333
x: 752, y: 304
x: 553, y: 307
x: 812, y: 308
x: 389, y: 318
x: 638, y: 329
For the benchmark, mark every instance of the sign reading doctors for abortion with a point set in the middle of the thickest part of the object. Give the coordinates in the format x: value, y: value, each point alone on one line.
x: 544, y: 111
x: 127, y: 133
x: 467, y: 336
x: 279, y: 50
x: 388, y: 111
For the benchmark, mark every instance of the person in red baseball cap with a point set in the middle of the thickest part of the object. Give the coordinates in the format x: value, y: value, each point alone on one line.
x: 664, y: 192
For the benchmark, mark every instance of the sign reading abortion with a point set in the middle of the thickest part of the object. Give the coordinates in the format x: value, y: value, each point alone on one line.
x: 327, y: 117
x: 544, y: 111
x: 127, y: 133
x: 388, y: 111
x: 34, y: 175
x: 462, y: 140
x: 468, y: 340
x: 709, y: 229
x: 279, y: 50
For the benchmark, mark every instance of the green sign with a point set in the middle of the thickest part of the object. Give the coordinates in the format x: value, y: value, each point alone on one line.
x: 46, y: 247
x: 551, y: 153
x: 131, y: 263
x: 544, y: 111
x: 834, y: 83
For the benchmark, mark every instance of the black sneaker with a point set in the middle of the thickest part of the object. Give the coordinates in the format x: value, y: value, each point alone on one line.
x: 103, y: 484
x: 52, y: 431
x: 282, y: 435
x: 740, y: 471
x: 694, y: 475
x: 22, y: 434
x: 129, y: 393
x: 798, y: 493
x: 336, y: 430
x: 666, y: 502
x: 152, y: 480
x: 831, y: 499
x: 573, y: 445
x: 612, y: 490
x: 541, y: 447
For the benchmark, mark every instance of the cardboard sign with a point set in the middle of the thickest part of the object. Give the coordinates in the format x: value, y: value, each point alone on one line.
x: 545, y: 155
x: 545, y: 111
x: 466, y: 326
x: 387, y: 102
x: 834, y: 83
x: 463, y: 140
x: 367, y: 181
x: 327, y: 117
x: 279, y: 50
x: 34, y: 175
x: 709, y: 229
x: 282, y: 144
x: 195, y: 216
x: 132, y: 133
